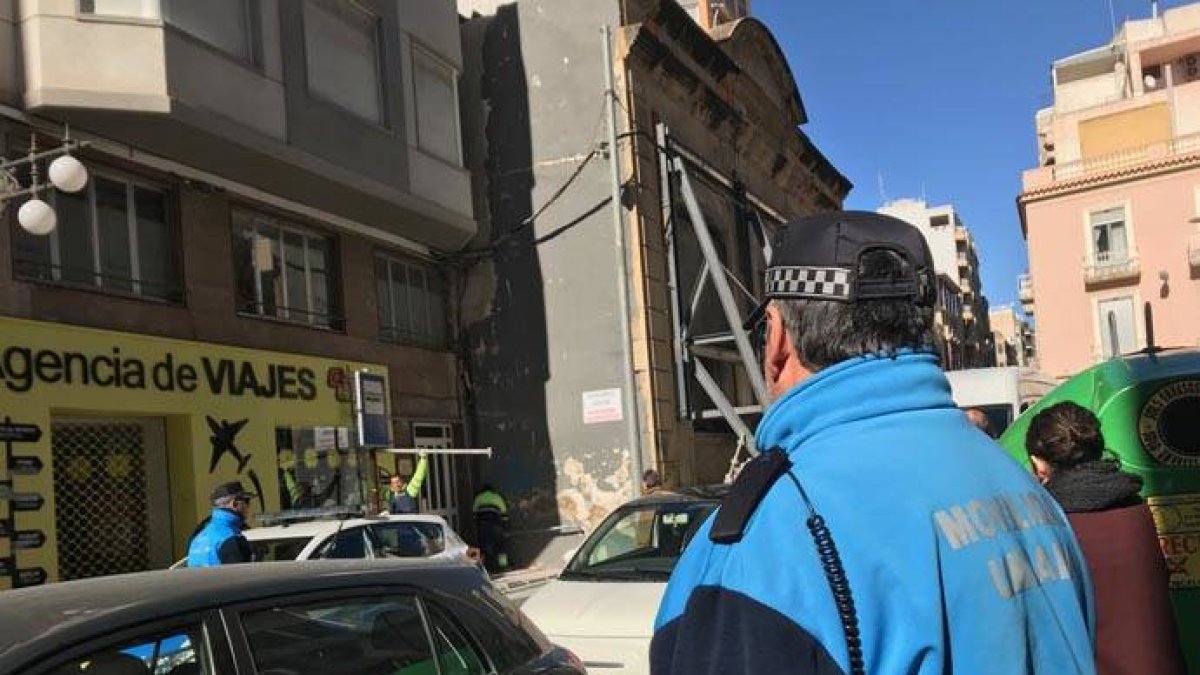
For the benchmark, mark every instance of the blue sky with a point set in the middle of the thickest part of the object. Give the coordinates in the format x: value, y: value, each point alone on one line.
x: 938, y: 96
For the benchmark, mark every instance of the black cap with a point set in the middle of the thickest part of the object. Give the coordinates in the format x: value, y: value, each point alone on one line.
x: 820, y: 258
x: 231, y: 489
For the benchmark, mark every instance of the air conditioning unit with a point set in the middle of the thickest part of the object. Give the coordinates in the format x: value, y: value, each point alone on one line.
x: 1152, y: 78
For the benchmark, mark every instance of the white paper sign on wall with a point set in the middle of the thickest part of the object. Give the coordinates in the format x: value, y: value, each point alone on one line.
x: 602, y: 405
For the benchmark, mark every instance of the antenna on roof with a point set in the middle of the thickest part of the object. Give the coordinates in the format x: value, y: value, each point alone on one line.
x: 1153, y: 9
x: 1112, y: 17
x: 882, y: 193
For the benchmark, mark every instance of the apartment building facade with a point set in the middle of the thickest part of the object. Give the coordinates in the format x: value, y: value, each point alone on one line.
x: 270, y: 184
x: 1012, y: 337
x: 704, y: 91
x: 961, y: 327
x: 1111, y: 215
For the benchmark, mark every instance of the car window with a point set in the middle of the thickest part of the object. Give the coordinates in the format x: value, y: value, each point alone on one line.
x: 640, y: 542
x: 354, y: 636
x: 999, y: 416
x: 505, y: 634
x: 410, y: 539
x: 181, y: 652
x: 349, y: 543
x: 272, y: 550
x: 456, y: 655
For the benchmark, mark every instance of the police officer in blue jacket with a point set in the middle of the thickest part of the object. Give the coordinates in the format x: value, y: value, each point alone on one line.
x: 218, y: 540
x: 878, y: 531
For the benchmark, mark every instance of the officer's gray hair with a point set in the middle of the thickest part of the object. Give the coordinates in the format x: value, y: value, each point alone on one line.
x: 226, y: 502
x: 825, y: 333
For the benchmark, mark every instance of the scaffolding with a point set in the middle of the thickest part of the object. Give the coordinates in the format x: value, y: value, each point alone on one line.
x: 694, y: 350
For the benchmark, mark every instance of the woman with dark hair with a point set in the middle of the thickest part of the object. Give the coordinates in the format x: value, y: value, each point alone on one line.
x: 1135, y: 629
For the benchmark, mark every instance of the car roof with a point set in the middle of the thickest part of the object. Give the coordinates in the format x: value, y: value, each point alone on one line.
x: 698, y: 493
x: 40, y: 621
x: 315, y: 528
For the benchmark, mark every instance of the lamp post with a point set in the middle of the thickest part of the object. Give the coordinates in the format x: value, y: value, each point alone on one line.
x: 65, y: 173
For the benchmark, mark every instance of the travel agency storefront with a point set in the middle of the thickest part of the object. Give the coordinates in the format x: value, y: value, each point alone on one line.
x: 114, y: 441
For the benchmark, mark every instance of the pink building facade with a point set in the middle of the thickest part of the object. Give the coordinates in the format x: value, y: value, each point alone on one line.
x: 1112, y: 217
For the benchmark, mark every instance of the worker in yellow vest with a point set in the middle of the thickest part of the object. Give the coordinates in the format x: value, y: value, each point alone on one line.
x: 401, y: 495
x: 491, y: 525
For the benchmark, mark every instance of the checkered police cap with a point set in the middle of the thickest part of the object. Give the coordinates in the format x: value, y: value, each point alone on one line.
x: 822, y: 257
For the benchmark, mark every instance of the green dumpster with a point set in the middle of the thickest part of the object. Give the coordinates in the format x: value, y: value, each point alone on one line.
x: 1149, y: 410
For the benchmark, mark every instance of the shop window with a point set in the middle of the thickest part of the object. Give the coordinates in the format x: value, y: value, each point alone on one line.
x: 412, y: 302
x: 223, y: 24
x: 136, y: 9
x: 318, y: 468
x: 284, y: 272
x: 114, y: 236
x: 341, y: 48
x: 436, y: 98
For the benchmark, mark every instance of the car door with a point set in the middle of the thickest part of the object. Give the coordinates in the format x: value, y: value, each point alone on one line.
x: 192, y: 645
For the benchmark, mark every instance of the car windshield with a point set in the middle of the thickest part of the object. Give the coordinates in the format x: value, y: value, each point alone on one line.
x: 274, y: 550
x: 638, y: 543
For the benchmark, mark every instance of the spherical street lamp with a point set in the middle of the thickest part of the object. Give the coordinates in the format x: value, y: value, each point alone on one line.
x: 37, y: 217
x: 68, y: 174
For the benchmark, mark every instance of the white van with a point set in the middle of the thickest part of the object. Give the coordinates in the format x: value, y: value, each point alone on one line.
x: 1000, y: 393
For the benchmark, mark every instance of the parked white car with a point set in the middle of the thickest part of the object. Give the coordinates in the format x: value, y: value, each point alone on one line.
x: 602, y: 606
x: 384, y: 536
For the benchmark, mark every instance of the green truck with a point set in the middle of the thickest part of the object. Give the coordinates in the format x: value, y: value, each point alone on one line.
x: 1149, y: 409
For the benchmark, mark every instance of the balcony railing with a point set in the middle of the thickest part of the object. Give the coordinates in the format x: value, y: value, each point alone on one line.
x: 1109, y: 268
x: 1025, y: 288
x: 1194, y: 250
x: 1180, y: 145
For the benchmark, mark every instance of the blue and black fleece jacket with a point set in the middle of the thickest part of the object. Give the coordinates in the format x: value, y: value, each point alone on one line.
x: 958, y: 561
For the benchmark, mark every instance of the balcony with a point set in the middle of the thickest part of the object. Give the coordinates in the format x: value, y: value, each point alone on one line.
x: 1133, y: 158
x: 1194, y: 251
x: 1025, y: 292
x: 230, y: 98
x: 1108, y: 269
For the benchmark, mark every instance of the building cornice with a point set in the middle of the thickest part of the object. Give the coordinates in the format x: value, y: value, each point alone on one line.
x: 1103, y: 178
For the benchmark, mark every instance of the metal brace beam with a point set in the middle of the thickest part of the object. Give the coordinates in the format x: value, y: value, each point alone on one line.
x: 721, y: 284
x: 689, y: 351
x: 727, y: 410
x: 682, y: 357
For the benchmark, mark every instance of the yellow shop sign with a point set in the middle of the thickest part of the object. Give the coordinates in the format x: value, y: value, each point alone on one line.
x: 109, y: 432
